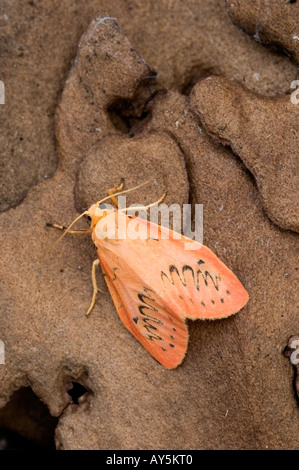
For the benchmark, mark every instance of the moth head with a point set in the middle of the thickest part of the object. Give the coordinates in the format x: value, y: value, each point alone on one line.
x: 97, y: 211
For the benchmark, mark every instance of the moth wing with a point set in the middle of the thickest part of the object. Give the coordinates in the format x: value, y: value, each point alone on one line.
x: 156, y: 283
x: 192, y: 283
x: 195, y: 280
x: 162, y: 334
x: 198, y: 283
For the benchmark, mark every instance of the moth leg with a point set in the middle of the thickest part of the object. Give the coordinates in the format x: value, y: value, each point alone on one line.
x: 149, y: 205
x: 72, y: 232
x: 113, y: 191
x: 94, y: 284
x: 157, y: 202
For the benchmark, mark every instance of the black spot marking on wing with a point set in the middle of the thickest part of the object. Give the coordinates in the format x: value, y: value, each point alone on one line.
x: 148, y: 325
x: 147, y: 311
x: 113, y: 270
x: 206, y: 275
x: 135, y: 320
x: 174, y: 273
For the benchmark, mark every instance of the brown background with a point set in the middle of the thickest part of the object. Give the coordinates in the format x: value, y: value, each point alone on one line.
x: 235, y: 388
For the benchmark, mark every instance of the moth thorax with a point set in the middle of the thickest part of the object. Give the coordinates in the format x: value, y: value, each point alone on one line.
x: 102, y: 212
x: 106, y: 227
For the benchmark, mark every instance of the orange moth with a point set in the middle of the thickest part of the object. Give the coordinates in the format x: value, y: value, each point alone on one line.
x: 155, y: 283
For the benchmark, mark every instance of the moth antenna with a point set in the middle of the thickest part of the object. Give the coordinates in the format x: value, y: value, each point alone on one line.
x: 145, y: 207
x: 69, y: 228
x: 125, y: 191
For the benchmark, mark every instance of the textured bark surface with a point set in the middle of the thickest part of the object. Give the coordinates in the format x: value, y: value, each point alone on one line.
x: 182, y: 41
x: 235, y: 387
x: 264, y: 132
x: 271, y: 22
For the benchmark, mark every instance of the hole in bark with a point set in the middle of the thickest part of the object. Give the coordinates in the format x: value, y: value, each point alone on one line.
x: 25, y: 422
x: 77, y: 392
x: 126, y: 114
x: 123, y: 116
